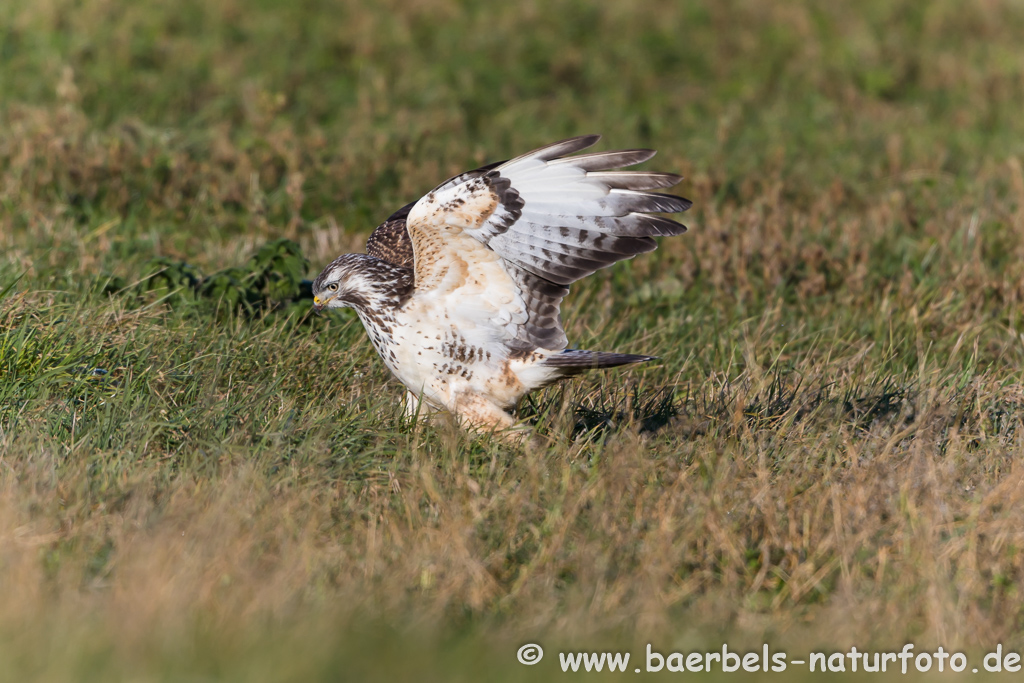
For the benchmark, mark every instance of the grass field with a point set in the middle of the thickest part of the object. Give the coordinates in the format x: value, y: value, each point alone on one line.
x: 202, y: 482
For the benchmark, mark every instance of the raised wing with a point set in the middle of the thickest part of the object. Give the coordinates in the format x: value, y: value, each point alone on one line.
x: 390, y: 241
x: 551, y: 219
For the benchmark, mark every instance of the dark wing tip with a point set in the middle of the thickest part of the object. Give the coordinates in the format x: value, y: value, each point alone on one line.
x: 580, y: 141
x: 649, y: 202
x: 603, y: 161
x: 667, y: 203
x: 634, y: 180
x: 561, y: 148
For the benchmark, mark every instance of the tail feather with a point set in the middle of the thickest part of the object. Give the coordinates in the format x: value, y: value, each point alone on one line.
x: 574, y: 361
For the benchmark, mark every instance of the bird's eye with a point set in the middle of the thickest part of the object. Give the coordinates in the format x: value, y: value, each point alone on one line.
x: 333, y: 286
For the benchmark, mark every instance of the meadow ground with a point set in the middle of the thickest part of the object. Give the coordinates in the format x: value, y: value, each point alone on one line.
x: 202, y: 482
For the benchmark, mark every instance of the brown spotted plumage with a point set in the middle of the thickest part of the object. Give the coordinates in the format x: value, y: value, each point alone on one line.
x: 390, y: 241
x: 460, y: 292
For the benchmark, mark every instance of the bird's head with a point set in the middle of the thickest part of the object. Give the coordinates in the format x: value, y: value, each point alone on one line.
x: 359, y: 281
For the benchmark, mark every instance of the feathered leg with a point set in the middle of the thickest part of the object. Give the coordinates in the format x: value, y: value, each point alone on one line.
x: 477, y: 412
x: 414, y: 407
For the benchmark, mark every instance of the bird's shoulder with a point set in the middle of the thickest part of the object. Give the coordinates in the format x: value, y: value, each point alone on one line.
x: 391, y: 242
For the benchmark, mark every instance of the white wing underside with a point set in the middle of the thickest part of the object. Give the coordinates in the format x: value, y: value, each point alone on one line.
x: 498, y: 249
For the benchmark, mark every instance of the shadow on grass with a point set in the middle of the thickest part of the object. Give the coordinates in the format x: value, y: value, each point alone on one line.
x: 733, y: 408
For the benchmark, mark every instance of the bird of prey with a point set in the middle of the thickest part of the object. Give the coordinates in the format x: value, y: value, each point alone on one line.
x: 460, y: 291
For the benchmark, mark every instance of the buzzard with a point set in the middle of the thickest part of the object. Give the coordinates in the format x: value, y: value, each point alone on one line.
x: 460, y: 291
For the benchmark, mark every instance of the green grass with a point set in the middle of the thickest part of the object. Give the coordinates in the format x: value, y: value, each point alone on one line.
x: 202, y: 481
